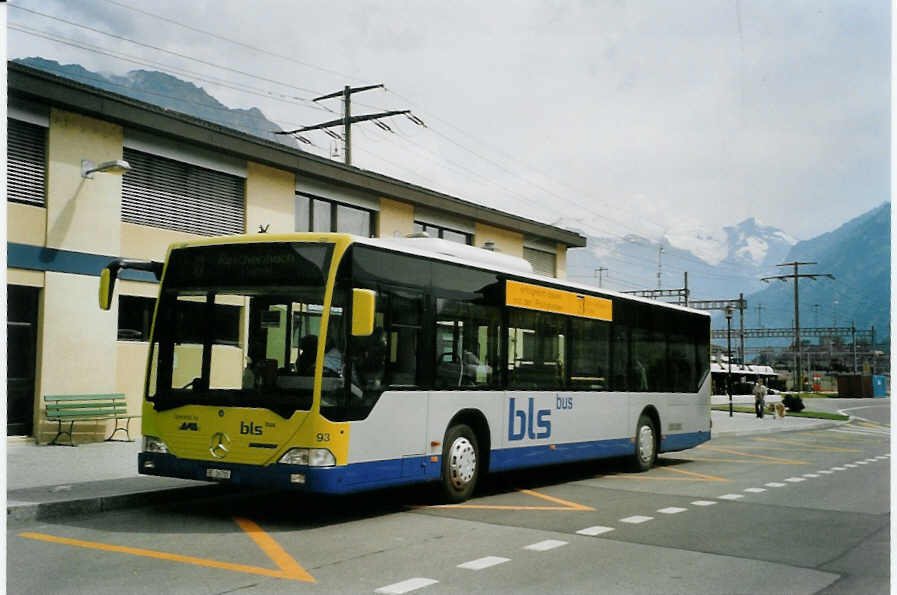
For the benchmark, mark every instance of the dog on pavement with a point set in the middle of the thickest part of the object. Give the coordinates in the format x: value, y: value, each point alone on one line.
x: 776, y: 409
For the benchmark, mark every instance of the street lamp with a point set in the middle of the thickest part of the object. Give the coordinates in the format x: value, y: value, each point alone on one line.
x: 729, y: 352
x: 119, y: 166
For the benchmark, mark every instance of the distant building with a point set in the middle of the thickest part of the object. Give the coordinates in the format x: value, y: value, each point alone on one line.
x: 189, y: 178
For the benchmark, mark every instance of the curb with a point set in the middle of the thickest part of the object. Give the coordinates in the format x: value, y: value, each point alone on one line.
x: 38, y: 511
x: 822, y: 425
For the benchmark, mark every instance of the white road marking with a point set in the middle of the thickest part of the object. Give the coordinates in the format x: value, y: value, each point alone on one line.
x: 637, y: 520
x: 795, y: 479
x: 871, y: 460
x: 839, y: 468
x: 731, y: 496
x: 412, y: 584
x: 482, y: 563
x: 672, y: 510
x: 811, y: 475
x: 544, y: 546
x: 703, y: 502
x: 862, y: 462
x: 755, y: 490
x: 774, y: 484
x: 825, y: 472
x: 596, y: 530
x: 851, y: 465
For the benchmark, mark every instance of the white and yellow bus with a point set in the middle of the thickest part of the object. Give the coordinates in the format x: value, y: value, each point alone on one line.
x: 364, y: 363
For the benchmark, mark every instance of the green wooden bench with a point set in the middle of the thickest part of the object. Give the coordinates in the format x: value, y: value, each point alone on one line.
x: 71, y: 408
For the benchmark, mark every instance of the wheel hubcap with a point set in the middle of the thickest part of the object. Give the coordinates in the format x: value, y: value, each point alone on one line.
x: 462, y: 462
x: 645, y: 443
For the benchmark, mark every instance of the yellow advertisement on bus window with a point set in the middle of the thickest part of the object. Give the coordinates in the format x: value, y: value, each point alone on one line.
x: 547, y: 299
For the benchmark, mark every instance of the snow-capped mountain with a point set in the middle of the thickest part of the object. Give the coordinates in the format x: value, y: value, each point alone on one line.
x: 718, y: 263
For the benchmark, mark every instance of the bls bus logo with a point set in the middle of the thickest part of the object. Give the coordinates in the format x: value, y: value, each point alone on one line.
x: 526, y: 419
x: 190, y: 425
x: 250, y: 429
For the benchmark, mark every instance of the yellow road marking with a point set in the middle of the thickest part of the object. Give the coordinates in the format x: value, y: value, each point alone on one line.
x: 743, y: 461
x: 745, y: 454
x: 565, y: 504
x: 289, y: 569
x: 810, y: 445
x: 643, y: 476
x: 272, y: 549
x: 871, y: 425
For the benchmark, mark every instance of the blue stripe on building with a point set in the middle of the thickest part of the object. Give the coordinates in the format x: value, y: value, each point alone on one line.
x: 40, y: 258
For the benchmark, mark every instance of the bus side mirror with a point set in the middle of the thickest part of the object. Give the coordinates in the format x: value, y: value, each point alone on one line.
x: 107, y: 285
x: 364, y: 303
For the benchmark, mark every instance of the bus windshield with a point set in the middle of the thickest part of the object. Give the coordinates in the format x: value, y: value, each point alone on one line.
x: 268, y: 297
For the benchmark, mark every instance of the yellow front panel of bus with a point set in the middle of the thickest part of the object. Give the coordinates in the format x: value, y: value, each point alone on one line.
x: 547, y: 299
x: 251, y: 436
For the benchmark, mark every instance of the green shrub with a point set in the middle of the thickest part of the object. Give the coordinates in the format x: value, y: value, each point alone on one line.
x: 793, y: 403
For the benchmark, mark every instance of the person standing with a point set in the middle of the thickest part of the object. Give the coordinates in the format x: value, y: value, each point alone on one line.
x: 759, y: 397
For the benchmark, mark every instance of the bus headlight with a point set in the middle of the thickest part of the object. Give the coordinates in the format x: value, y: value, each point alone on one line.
x: 153, y: 444
x: 312, y: 457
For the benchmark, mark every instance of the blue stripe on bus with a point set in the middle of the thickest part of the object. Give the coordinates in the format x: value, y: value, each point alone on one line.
x: 393, y: 472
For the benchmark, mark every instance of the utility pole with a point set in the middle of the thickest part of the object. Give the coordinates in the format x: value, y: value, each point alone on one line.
x: 760, y: 308
x: 598, y: 272
x: 816, y: 315
x: 741, y: 327
x: 348, y: 119
x: 796, y: 277
x: 659, y: 265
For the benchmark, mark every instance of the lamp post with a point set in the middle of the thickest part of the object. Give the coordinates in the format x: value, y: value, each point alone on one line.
x: 729, y: 353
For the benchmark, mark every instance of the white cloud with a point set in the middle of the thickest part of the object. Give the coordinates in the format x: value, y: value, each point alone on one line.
x: 622, y: 116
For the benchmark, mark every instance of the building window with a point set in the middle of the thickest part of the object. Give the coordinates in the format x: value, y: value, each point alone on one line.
x: 314, y: 213
x: 544, y: 263
x: 165, y: 193
x: 26, y: 170
x: 437, y: 231
x: 135, y: 315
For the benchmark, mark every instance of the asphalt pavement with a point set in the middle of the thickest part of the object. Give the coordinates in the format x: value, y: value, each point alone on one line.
x: 53, y: 481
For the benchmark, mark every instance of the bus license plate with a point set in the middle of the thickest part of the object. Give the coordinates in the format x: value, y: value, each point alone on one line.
x: 218, y: 473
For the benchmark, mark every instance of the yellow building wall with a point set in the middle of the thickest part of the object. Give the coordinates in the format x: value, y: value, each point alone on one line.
x: 270, y: 199
x: 506, y: 241
x: 150, y: 243
x: 82, y: 215
x: 78, y: 353
x: 25, y: 277
x: 26, y: 224
x: 561, y: 261
x: 396, y: 219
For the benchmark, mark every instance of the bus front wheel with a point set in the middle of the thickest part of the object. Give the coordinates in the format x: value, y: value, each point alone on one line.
x: 460, y: 463
x: 645, y: 444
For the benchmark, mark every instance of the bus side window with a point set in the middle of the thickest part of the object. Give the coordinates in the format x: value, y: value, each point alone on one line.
x: 405, y: 311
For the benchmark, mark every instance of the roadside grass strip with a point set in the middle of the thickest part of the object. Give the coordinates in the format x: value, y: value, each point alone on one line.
x: 544, y: 546
x: 672, y: 510
x: 412, y: 584
x: 485, y: 562
x: 704, y: 502
x: 755, y: 490
x: 637, y: 519
x: 731, y: 497
x: 593, y: 531
x: 775, y: 484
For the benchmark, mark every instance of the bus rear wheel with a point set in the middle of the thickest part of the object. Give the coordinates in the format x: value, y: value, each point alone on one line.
x: 460, y: 463
x: 645, y: 444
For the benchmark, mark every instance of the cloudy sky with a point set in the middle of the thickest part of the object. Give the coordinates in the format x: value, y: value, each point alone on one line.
x: 611, y: 116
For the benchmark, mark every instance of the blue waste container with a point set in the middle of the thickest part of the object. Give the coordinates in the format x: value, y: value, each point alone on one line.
x: 879, y: 386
